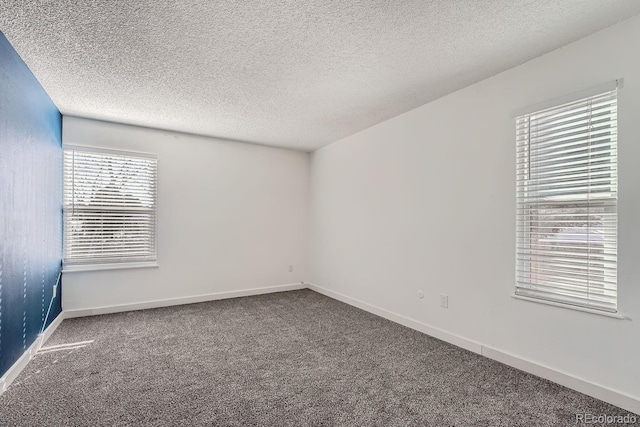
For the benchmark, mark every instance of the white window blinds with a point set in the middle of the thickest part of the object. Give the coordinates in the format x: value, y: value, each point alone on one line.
x: 109, y: 206
x: 566, y: 227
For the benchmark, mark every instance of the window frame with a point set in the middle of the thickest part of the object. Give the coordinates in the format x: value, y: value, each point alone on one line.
x: 538, y: 108
x: 113, y: 263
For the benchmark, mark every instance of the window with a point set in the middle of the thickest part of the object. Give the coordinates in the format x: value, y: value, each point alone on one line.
x: 109, y: 207
x: 566, y: 226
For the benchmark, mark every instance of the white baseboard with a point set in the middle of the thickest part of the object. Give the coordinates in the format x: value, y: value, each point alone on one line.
x: 52, y: 328
x: 614, y: 397
x: 20, y: 364
x: 180, y: 301
x: 454, y: 339
x: 603, y: 393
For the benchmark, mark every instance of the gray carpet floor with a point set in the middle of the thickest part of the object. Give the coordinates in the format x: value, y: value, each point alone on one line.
x: 287, y: 359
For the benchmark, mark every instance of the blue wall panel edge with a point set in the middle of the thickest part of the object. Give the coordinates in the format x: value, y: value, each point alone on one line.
x: 30, y: 206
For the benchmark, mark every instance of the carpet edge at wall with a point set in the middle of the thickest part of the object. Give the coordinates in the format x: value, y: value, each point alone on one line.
x: 614, y: 397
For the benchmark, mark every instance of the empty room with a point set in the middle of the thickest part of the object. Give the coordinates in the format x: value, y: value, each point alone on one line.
x: 280, y: 213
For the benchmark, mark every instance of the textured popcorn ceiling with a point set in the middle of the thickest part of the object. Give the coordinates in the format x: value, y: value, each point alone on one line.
x: 290, y: 73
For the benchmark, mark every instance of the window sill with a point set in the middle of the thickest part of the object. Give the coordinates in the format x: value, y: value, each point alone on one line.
x: 115, y: 266
x: 571, y: 307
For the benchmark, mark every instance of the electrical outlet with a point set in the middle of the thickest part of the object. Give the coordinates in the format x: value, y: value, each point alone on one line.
x: 444, y: 300
x: 420, y: 294
x: 55, y: 290
x: 290, y: 268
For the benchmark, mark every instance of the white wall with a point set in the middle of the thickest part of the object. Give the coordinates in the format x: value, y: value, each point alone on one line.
x: 231, y: 217
x: 426, y: 201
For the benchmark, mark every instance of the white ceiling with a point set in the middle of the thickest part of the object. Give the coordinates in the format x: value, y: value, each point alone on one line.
x: 295, y: 74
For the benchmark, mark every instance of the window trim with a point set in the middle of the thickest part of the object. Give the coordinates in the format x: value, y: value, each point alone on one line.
x: 111, y: 264
x: 617, y: 315
x: 79, y: 268
x: 557, y: 102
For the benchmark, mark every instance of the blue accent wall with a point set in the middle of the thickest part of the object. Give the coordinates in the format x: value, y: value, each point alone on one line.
x: 30, y: 206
